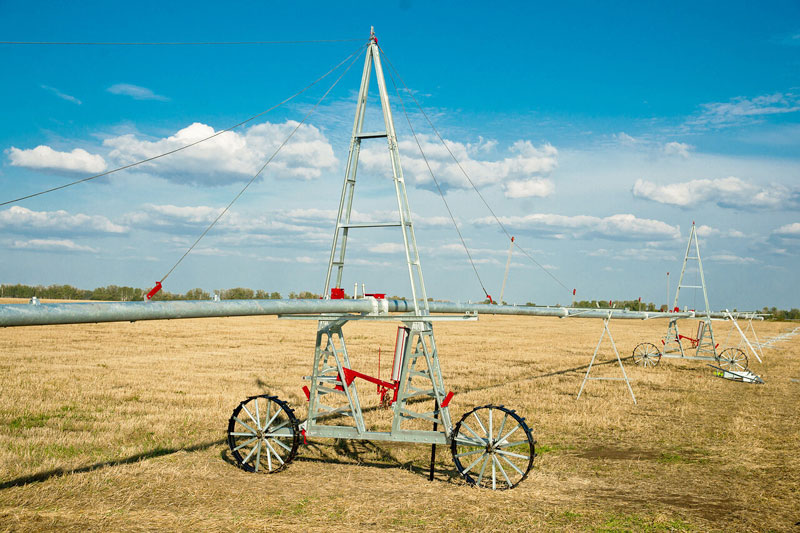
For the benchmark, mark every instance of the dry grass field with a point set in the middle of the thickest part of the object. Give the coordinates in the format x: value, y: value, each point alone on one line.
x: 121, y: 427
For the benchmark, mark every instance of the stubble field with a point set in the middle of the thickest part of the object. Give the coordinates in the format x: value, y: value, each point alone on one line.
x: 122, y: 427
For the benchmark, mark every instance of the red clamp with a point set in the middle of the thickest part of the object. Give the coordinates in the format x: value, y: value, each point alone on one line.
x: 489, y: 296
x: 153, y: 291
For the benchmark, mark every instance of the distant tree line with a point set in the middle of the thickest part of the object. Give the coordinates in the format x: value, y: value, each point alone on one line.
x: 116, y: 293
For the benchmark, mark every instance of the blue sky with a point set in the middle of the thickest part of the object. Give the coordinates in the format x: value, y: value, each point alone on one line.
x: 597, y: 133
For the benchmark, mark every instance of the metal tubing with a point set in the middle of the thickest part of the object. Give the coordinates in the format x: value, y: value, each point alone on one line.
x: 40, y: 314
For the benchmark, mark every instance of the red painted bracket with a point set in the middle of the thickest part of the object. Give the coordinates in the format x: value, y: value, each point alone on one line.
x: 447, y: 399
x: 350, y: 375
x: 308, y: 393
x: 153, y: 291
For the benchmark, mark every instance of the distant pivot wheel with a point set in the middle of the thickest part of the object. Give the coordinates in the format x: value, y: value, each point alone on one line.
x: 493, y: 447
x: 263, y: 434
x: 646, y: 354
x: 733, y: 359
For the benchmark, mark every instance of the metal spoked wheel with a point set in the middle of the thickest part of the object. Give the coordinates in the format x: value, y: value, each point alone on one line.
x: 263, y: 434
x: 646, y: 354
x: 493, y: 447
x: 733, y: 359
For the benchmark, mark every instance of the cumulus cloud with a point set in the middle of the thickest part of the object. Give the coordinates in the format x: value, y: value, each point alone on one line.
x: 678, y: 149
x: 728, y: 192
x: 743, y: 110
x: 521, y: 172
x: 22, y: 220
x: 538, y: 187
x: 708, y: 231
x: 136, y: 92
x: 61, y: 95
x: 732, y: 259
x: 231, y: 156
x: 52, y: 245
x: 45, y: 158
x: 790, y: 231
x: 614, y: 227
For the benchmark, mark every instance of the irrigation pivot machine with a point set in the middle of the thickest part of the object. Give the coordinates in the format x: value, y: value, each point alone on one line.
x: 492, y: 446
x: 705, y: 347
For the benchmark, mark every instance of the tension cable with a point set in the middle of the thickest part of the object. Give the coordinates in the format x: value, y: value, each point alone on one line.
x: 464, y: 172
x: 147, y: 160
x: 256, y: 175
x: 438, y: 188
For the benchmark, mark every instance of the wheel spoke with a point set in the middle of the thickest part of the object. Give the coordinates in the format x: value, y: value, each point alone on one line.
x: 481, y: 439
x: 238, y: 434
x: 512, y: 454
x: 483, y: 469
x: 245, y: 425
x: 494, y: 474
x: 251, y: 416
x: 507, y: 444
x: 467, y: 469
x: 502, y: 424
x: 278, y: 457
x: 496, y: 460
x: 249, y: 455
x: 273, y: 417
x: 503, y: 457
x: 469, y: 442
x: 491, y: 435
x: 258, y: 453
x: 245, y: 443
x: 505, y: 437
x: 475, y: 414
x: 282, y: 445
x: 473, y: 452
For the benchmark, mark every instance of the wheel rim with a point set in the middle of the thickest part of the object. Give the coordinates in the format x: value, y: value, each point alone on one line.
x: 733, y: 359
x: 646, y: 354
x: 263, y: 434
x: 493, y: 447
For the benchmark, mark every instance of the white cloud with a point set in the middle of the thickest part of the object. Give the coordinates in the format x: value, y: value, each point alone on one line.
x: 676, y: 148
x: 61, y: 95
x: 625, y: 139
x: 136, y: 92
x: 45, y: 158
x: 708, y: 231
x: 52, y: 245
x: 732, y: 259
x: 728, y: 192
x: 791, y: 231
x: 539, y: 187
x: 615, y: 227
x: 22, y: 220
x: 743, y: 110
x: 524, y: 164
x: 231, y: 156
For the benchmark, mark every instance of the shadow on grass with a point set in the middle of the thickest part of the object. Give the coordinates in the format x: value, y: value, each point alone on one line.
x: 351, y: 452
x: 547, y: 375
x: 152, y: 454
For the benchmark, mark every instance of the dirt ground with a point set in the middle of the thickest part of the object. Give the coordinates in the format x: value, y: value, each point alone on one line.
x: 122, y: 427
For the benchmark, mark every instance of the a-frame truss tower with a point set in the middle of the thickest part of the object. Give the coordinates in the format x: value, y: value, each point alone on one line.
x: 704, y: 343
x: 416, y: 372
x: 343, y: 222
